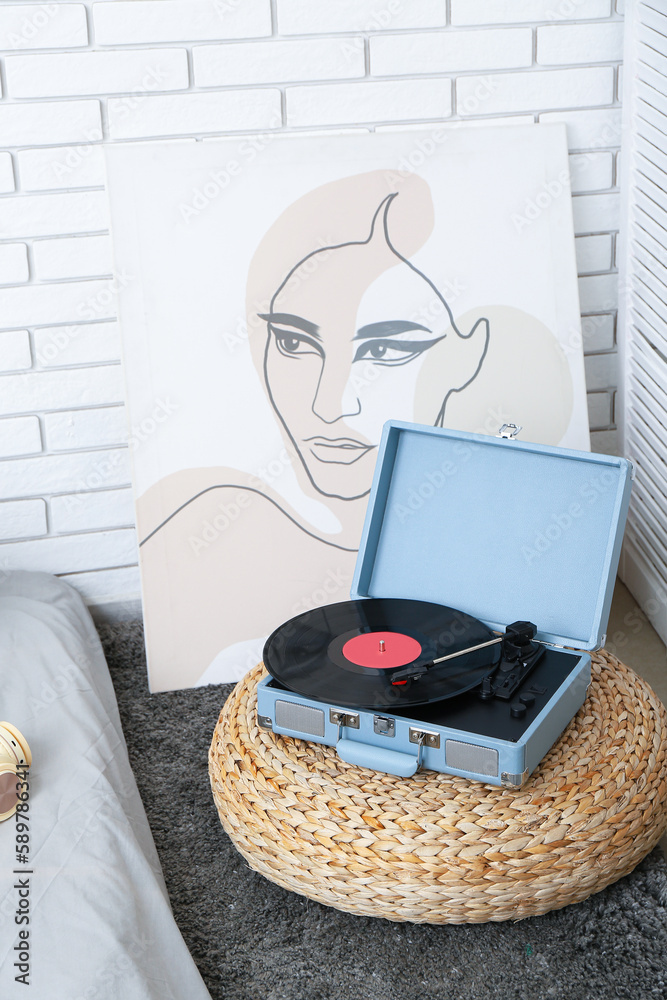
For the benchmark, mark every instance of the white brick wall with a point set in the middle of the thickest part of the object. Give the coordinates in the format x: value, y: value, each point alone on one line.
x: 15, y: 350
x: 591, y: 171
x: 365, y: 103
x: 74, y: 429
x: 20, y: 436
x: 74, y: 74
x: 278, y: 62
x: 78, y: 257
x: 580, y: 43
x: 77, y: 344
x: 53, y: 214
x: 102, y: 509
x: 227, y: 111
x: 595, y: 213
x: 453, y: 52
x: 6, y: 173
x: 552, y: 89
x: 594, y: 253
x: 61, y: 167
x: 303, y: 17
x: 514, y: 11
x: 41, y: 124
x: 22, y: 519
x: 45, y: 26
x: 13, y: 263
x: 81, y: 73
x: 130, y: 22
x: 60, y: 303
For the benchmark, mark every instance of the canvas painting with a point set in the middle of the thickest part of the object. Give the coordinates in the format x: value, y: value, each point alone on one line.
x: 280, y: 298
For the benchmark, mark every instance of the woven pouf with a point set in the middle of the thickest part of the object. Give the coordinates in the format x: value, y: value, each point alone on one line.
x: 441, y: 849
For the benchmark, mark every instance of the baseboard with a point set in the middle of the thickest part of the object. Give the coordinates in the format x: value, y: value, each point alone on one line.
x: 106, y: 611
x: 645, y: 586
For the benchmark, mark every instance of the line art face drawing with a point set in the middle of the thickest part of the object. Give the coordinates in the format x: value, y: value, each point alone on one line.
x: 330, y: 349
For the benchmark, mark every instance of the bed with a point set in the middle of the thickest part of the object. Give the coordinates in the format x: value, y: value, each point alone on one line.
x: 84, y: 912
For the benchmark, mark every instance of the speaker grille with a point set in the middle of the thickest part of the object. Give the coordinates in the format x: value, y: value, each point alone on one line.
x: 471, y: 757
x: 300, y: 718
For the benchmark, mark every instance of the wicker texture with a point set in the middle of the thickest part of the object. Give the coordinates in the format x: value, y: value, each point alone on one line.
x: 441, y: 849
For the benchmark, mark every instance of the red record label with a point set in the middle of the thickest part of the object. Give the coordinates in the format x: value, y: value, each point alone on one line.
x: 383, y: 650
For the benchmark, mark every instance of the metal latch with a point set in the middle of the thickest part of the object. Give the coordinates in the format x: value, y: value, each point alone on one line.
x: 425, y: 738
x: 509, y: 431
x: 384, y: 726
x: 349, y: 719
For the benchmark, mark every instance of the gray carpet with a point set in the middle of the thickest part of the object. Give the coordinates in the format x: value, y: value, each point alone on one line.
x: 255, y: 941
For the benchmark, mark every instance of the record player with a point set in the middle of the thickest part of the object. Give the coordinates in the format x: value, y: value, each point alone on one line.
x: 484, y: 578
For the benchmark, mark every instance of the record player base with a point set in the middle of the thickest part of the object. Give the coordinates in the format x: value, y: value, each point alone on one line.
x: 441, y: 849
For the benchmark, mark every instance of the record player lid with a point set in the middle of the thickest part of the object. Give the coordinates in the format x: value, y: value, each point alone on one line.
x: 504, y: 530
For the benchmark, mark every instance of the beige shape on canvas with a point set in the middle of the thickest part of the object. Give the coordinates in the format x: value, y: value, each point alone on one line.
x: 525, y: 379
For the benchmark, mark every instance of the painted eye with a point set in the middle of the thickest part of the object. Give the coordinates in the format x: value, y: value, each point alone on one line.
x: 393, y: 352
x: 291, y: 344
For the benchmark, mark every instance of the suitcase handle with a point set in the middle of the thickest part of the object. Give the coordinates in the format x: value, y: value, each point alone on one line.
x: 378, y: 758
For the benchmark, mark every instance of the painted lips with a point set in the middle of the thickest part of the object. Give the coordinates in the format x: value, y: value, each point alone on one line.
x: 341, y: 450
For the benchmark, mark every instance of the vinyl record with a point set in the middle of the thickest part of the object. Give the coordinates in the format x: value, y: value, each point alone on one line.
x: 346, y: 654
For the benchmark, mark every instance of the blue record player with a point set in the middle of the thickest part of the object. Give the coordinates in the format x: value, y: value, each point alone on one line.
x: 484, y: 578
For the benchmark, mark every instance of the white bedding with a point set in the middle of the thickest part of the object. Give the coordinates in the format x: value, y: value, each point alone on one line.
x: 100, y: 922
